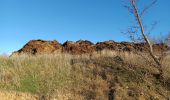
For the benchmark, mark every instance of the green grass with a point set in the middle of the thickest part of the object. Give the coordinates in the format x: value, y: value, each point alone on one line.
x: 28, y: 84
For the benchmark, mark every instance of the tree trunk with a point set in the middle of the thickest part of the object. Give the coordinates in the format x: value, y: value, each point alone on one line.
x: 150, y: 49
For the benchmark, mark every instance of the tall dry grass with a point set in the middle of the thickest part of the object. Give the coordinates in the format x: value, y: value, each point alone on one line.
x: 80, y: 77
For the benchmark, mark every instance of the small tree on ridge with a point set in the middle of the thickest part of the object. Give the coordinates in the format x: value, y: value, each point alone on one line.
x: 138, y: 31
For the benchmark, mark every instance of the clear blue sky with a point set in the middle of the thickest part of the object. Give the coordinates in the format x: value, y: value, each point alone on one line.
x: 94, y: 20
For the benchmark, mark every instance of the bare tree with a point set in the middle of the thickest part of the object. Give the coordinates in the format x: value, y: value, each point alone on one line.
x: 138, y: 31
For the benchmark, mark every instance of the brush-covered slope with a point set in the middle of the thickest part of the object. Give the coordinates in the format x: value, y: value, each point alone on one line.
x: 106, y: 75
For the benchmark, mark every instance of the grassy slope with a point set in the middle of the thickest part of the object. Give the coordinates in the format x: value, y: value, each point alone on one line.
x: 98, y: 77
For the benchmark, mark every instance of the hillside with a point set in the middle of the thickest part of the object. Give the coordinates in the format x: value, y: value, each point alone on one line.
x: 105, y: 75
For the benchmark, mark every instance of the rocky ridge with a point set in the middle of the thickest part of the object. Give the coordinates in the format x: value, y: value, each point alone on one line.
x: 82, y: 46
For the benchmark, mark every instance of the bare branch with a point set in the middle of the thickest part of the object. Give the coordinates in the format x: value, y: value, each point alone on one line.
x: 136, y: 14
x: 148, y: 7
x: 153, y: 25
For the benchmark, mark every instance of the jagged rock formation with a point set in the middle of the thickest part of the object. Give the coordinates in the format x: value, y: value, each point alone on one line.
x: 40, y: 47
x: 111, y: 45
x: 82, y: 46
x: 78, y: 47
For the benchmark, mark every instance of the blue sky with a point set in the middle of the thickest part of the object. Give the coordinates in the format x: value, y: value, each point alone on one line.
x: 94, y: 20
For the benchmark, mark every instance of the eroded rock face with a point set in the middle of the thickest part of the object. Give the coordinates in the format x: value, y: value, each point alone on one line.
x: 41, y: 47
x: 111, y: 45
x: 82, y: 46
x: 79, y: 47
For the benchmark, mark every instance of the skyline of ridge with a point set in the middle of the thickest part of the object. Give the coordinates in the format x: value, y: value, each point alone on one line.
x: 97, y: 20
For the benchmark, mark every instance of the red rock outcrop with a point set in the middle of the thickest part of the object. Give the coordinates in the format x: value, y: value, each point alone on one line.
x: 111, y: 45
x: 83, y: 46
x: 41, y: 47
x: 78, y: 47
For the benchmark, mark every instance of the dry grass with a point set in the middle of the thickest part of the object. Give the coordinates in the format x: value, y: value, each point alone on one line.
x: 85, y: 77
x: 13, y: 95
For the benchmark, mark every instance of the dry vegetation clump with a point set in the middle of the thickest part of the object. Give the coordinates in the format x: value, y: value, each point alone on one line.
x: 98, y: 76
